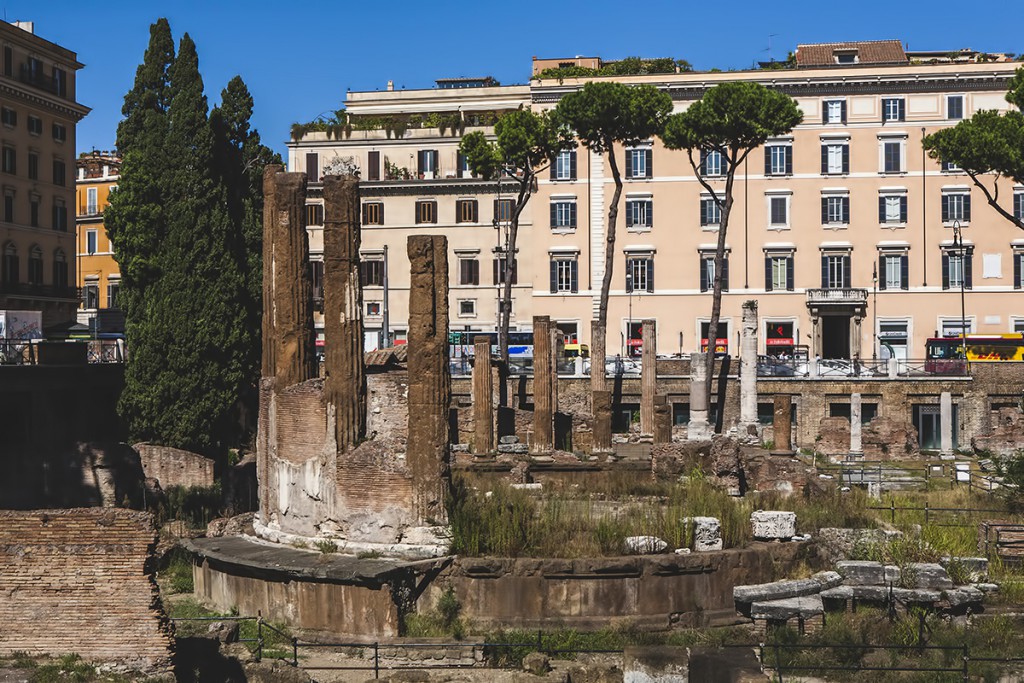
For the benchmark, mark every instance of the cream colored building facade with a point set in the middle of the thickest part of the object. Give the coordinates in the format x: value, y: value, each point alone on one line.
x: 38, y: 115
x: 842, y: 230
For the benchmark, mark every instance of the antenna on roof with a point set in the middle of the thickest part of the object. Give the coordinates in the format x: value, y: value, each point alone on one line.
x: 769, y: 48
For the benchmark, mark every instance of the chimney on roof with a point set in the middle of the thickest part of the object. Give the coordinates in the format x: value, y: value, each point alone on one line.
x: 391, y: 85
x: 28, y: 26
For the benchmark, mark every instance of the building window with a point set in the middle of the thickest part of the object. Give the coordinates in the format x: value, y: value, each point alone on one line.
x: 314, y: 214
x: 60, y: 215
x: 113, y: 290
x: 91, y: 201
x: 60, y: 269
x: 426, y: 211
x: 11, y: 264
x: 90, y: 242
x: 33, y: 211
x: 373, y: 309
x: 778, y: 159
x: 8, y: 61
x: 59, y: 173
x: 835, y: 271
x: 35, y: 265
x: 564, y: 167
x: 950, y: 166
x: 316, y: 269
x: 954, y: 107
x: 373, y: 213
x: 35, y: 125
x: 639, y: 163
x: 957, y: 268
x: 707, y: 272
x: 9, y: 117
x: 892, y: 271
x: 892, y: 209
x: 498, y: 271
x: 9, y: 206
x: 710, y: 212
x: 469, y: 270
x: 778, y: 211
x: 564, y: 274
x: 371, y: 273
x: 503, y: 211
x: 1018, y: 267
x: 467, y: 308
x: 60, y: 132
x: 892, y: 156
x: 60, y: 82
x: 1018, y: 205
x: 956, y: 206
x: 639, y: 213
x: 91, y: 296
x: 893, y: 109
x: 426, y: 163
x: 563, y: 215
x: 835, y: 157
x: 835, y: 209
x: 778, y: 272
x: 835, y: 111
x: 712, y: 163
x: 466, y: 211
x: 10, y: 160
x: 33, y: 166
x: 640, y: 273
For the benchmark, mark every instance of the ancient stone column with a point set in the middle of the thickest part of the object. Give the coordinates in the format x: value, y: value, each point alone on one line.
x: 483, y: 397
x: 543, y: 412
x: 597, y: 354
x: 783, y: 424
x: 291, y: 312
x: 856, y: 447
x: 602, y: 429
x: 648, y: 377
x: 748, y: 369
x: 345, y: 377
x: 269, y: 230
x: 430, y: 390
x: 946, y: 423
x: 662, y: 419
x: 698, y: 428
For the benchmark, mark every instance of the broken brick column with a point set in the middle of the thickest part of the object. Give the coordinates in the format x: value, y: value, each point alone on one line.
x: 602, y: 425
x: 662, y: 419
x: 269, y: 228
x: 543, y: 387
x: 483, y: 397
x: 782, y: 424
x: 345, y: 377
x: 648, y: 377
x: 430, y: 389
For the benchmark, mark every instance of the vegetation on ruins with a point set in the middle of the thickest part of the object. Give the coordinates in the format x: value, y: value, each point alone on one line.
x: 630, y: 66
x: 525, y: 144
x: 987, y: 143
x: 602, y: 114
x: 732, y: 119
x: 185, y: 223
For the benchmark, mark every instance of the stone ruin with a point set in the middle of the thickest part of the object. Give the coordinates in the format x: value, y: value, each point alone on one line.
x: 357, y: 461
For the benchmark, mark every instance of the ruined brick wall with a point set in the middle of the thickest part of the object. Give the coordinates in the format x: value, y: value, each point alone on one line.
x: 174, y: 467
x: 82, y: 581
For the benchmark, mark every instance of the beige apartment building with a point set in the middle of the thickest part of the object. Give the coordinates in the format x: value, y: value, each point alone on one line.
x: 843, y: 231
x: 38, y: 115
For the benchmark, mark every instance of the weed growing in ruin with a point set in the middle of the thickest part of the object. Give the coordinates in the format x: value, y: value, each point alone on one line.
x: 444, y: 620
x: 326, y: 547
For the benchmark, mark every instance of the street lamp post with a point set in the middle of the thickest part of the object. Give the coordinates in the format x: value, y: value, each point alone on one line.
x: 958, y: 244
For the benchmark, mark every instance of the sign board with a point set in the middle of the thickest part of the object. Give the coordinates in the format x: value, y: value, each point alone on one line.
x: 21, y: 324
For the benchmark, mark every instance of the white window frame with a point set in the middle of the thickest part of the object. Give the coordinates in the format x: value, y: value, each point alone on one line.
x: 777, y: 195
x: 891, y: 115
x: 828, y: 106
x: 91, y: 201
x: 716, y: 209
x: 563, y: 165
x: 380, y: 308
x: 834, y: 147
x: 839, y: 196
x: 963, y: 107
x: 636, y: 158
x: 961, y: 193
x: 888, y: 258
x: 563, y: 204
x: 901, y: 141
x: 778, y: 162
x: 646, y: 206
x: 467, y: 314
x: 780, y: 265
x: 636, y: 264
x: 563, y: 270
x: 719, y: 164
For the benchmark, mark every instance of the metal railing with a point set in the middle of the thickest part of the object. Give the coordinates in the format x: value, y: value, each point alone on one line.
x: 837, y: 295
x: 259, y: 641
x: 771, y: 366
x: 17, y: 352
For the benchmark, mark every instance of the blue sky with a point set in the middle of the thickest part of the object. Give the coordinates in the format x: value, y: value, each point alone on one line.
x: 298, y: 58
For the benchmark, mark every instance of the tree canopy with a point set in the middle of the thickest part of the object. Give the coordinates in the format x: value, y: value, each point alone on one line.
x: 989, y: 142
x: 182, y: 222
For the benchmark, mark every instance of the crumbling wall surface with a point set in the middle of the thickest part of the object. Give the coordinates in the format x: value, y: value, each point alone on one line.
x: 174, y: 467
x: 387, y: 418
x: 1006, y: 435
x: 82, y: 580
x: 887, y: 438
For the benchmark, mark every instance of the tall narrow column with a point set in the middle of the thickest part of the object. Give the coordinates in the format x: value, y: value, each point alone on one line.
x: 292, y: 312
x: 782, y: 424
x: 345, y: 378
x: 648, y: 377
x: 269, y: 232
x: 856, y: 446
x: 543, y: 416
x: 698, y: 428
x: 597, y: 354
x: 430, y: 390
x: 748, y: 369
x: 602, y: 426
x: 483, y: 397
x: 946, y: 423
x: 662, y: 419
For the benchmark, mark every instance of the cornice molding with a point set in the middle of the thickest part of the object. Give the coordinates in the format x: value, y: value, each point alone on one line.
x: 73, y: 110
x: 421, y: 188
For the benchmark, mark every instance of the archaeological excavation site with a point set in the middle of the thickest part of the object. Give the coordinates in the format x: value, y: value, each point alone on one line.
x: 395, y: 519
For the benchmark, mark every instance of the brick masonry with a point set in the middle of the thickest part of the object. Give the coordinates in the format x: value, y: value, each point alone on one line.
x: 174, y: 467
x: 82, y: 581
